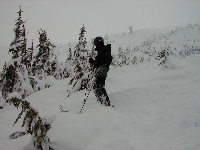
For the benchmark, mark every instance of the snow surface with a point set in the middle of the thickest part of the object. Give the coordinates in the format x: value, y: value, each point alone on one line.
x: 124, y: 40
x: 154, y: 108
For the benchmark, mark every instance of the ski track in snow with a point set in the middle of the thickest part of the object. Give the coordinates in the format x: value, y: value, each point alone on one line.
x: 155, y: 109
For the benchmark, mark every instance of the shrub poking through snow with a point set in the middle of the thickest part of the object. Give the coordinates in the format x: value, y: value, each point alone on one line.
x: 36, y: 83
x: 33, y: 123
x: 162, y: 57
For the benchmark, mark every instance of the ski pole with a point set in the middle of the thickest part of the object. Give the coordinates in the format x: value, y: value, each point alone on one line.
x: 87, y: 95
x: 85, y: 100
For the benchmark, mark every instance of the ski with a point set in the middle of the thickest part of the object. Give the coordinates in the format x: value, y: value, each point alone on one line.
x: 62, y: 109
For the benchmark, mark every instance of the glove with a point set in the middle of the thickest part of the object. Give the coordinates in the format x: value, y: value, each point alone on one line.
x: 91, y: 61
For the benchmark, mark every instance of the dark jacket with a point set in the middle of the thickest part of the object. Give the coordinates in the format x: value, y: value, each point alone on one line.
x: 102, y: 58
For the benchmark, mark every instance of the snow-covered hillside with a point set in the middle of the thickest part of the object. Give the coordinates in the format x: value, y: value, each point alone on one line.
x: 146, y: 43
x: 175, y: 39
x: 154, y: 108
x: 180, y: 41
x: 129, y: 40
x: 141, y: 42
x: 124, y: 40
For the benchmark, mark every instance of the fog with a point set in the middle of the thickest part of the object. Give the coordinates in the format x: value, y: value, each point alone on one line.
x: 62, y: 19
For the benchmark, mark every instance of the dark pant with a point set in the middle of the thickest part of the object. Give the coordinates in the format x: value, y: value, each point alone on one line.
x: 100, y: 91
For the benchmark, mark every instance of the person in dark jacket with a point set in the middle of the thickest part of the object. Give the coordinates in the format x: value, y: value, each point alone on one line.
x: 101, y: 65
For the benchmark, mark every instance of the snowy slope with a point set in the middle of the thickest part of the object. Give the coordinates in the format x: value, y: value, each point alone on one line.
x: 124, y: 40
x: 155, y: 108
x: 174, y: 39
x: 184, y: 41
x: 128, y: 40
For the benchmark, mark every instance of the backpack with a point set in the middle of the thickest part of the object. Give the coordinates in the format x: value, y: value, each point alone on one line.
x: 108, y: 50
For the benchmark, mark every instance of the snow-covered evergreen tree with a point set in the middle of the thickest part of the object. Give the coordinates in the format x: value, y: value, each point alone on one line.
x: 92, y: 53
x: 24, y: 47
x: 81, y: 66
x: 16, y: 80
x: 162, y: 57
x: 17, y: 48
x: 2, y: 83
x: 130, y: 29
x: 134, y: 60
x: 115, y: 61
x: 29, y: 58
x: 34, y: 125
x: 119, y: 56
x: 10, y: 80
x: 69, y: 52
x: 80, y: 50
x: 45, y: 61
x: 18, y: 45
x: 16, y: 74
x: 22, y: 85
x: 127, y: 56
x: 64, y: 69
x: 3, y: 77
x: 2, y: 102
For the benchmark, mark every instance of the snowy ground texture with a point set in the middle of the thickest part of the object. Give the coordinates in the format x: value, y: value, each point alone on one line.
x: 154, y: 109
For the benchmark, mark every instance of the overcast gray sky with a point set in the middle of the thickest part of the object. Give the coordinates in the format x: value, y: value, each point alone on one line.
x: 63, y: 19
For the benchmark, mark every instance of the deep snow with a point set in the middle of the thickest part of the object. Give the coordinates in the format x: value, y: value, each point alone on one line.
x: 155, y: 109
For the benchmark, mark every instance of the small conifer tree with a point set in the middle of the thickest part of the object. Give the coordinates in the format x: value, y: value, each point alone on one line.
x: 10, y: 80
x: 134, y: 60
x: 69, y: 57
x: 18, y: 45
x: 45, y: 59
x: 24, y: 47
x: 162, y: 57
x: 34, y: 125
x: 120, y: 57
x: 131, y: 29
x: 29, y: 57
x: 16, y: 76
x: 92, y: 54
x: 3, y: 77
x: 80, y: 60
x: 64, y: 69
x: 17, y: 48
